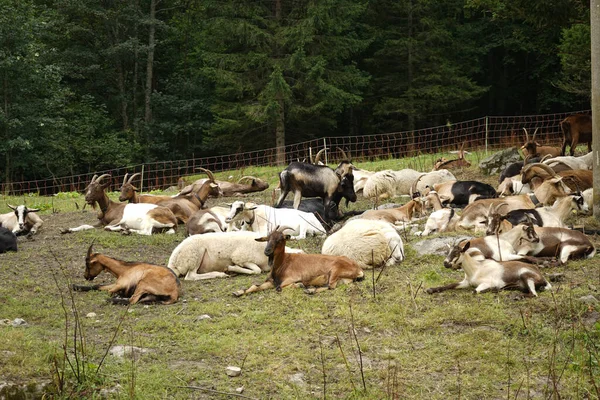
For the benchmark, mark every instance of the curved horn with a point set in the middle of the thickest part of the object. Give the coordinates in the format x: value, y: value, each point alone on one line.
x: 533, y: 137
x: 101, y: 177
x: 546, y: 157
x: 497, y: 210
x: 207, y: 172
x: 545, y: 168
x: 318, y: 156
x: 344, y: 156
x: 281, y: 228
x: 125, y: 178
x: 246, y: 177
x: 133, y: 176
x: 526, y: 135
x: 94, y: 178
x: 11, y: 207
x: 413, y: 188
x: 89, y: 255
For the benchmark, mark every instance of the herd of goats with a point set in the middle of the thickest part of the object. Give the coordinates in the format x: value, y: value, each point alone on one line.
x: 523, y: 220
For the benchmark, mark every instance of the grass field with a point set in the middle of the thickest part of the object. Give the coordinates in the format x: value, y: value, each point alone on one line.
x: 362, y: 341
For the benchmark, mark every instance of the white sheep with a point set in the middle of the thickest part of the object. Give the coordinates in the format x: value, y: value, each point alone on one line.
x: 370, y: 243
x: 389, y: 184
x: 212, y: 254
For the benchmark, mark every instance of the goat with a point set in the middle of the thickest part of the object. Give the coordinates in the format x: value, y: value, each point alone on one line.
x: 136, y: 281
x: 390, y: 184
x: 516, y: 167
x: 369, y: 243
x: 261, y: 218
x: 533, y: 148
x: 546, y: 216
x: 563, y: 243
x: 575, y: 180
x: 361, y: 177
x: 302, y: 269
x: 315, y: 206
x: 488, y: 274
x: 461, y: 193
x: 210, y: 255
x: 183, y: 205
x: 307, y: 180
x: 474, y: 216
x: 22, y: 221
x: 576, y: 128
x: 459, y: 162
x: 513, y: 185
x: 404, y: 213
x: 209, y: 220
x: 230, y: 189
x: 8, y: 240
x: 441, y: 219
x: 141, y: 218
x: 570, y: 162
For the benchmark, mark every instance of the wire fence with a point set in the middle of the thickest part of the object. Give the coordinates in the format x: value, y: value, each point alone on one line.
x: 487, y: 133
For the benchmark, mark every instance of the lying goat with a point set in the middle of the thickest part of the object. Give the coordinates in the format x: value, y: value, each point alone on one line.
x: 563, y: 243
x: 441, y: 219
x: 533, y: 148
x: 209, y: 220
x: 474, y: 216
x: 234, y: 189
x: 136, y: 281
x: 22, y: 221
x: 405, y: 213
x: 302, y: 269
x: 488, y: 274
x: 8, y: 240
x: 140, y: 218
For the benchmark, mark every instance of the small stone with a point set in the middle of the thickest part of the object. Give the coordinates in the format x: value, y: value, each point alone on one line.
x: 366, y: 330
x: 18, y: 322
x: 298, y: 379
x: 91, y: 315
x: 130, y: 310
x: 202, y: 317
x: 121, y: 351
x: 233, y: 371
x: 593, y: 288
x: 589, y: 299
x: 240, y: 390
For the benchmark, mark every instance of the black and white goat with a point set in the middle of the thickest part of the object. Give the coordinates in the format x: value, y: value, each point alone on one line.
x: 488, y: 274
x: 22, y: 221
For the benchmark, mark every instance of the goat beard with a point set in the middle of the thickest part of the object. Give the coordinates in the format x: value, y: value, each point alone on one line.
x: 271, y: 259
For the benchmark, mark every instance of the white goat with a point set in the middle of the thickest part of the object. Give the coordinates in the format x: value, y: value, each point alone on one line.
x: 263, y: 219
x: 212, y: 254
x: 210, y: 220
x: 369, y: 243
x: 489, y: 274
x: 583, y: 162
x: 441, y: 219
x: 22, y: 220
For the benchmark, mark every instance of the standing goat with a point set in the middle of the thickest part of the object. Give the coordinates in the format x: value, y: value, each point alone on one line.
x: 136, y: 281
x: 302, y: 269
x: 488, y: 274
x: 139, y: 218
x: 22, y: 221
x: 576, y: 129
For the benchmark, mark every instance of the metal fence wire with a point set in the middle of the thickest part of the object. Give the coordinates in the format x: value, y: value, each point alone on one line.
x: 489, y: 133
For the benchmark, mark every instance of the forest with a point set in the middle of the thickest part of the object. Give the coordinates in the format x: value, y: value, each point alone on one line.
x: 88, y: 85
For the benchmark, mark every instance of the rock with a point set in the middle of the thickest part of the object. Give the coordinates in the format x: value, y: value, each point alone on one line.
x: 437, y: 246
x: 18, y: 322
x: 232, y: 371
x: 240, y: 390
x: 589, y: 299
x: 202, y: 317
x: 298, y: 379
x: 328, y: 341
x: 91, y: 315
x: 121, y: 351
x: 496, y: 163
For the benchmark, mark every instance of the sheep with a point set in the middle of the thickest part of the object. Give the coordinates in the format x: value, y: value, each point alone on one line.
x: 302, y: 269
x: 141, y: 218
x: 576, y: 128
x: 210, y: 255
x: 136, y: 281
x: 8, y: 240
x: 533, y: 148
x: 261, y: 218
x: 390, y: 184
x: 22, y: 221
x: 488, y: 274
x: 361, y: 176
x: 369, y: 243
x: 545, y: 216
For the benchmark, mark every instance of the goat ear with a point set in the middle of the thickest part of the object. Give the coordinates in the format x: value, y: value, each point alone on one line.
x: 444, y: 198
x: 262, y: 239
x: 11, y: 207
x: 250, y: 206
x: 33, y: 210
x: 466, y: 247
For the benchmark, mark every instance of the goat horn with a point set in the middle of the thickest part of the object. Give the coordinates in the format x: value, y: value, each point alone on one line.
x: 413, y: 188
x: 344, y: 156
x: 94, y: 178
x: 547, y: 156
x: 497, y: 210
x: 246, y: 177
x: 533, y: 137
x: 101, y: 177
x: 318, y: 156
x: 526, y: 135
x: 125, y: 178
x: 133, y: 176
x: 11, y: 207
x: 545, y: 168
x: 207, y: 172
x: 282, y: 228
x: 89, y: 255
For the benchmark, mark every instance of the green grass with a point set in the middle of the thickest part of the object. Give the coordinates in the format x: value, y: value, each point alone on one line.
x: 450, y: 345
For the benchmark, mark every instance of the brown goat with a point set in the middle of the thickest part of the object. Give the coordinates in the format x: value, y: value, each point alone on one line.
x: 236, y: 189
x: 302, y: 270
x: 576, y: 179
x: 404, y: 213
x: 136, y: 281
x: 576, y: 128
x: 459, y: 162
x: 534, y: 149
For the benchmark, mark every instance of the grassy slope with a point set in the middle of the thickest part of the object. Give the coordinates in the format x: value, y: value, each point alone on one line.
x: 454, y: 344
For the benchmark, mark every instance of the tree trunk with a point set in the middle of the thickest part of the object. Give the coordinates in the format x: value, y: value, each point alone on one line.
x: 595, y: 41
x: 150, y: 63
x: 280, y: 122
x: 123, y: 96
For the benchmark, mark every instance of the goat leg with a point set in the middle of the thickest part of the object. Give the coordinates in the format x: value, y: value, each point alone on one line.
x: 457, y: 285
x: 85, y: 288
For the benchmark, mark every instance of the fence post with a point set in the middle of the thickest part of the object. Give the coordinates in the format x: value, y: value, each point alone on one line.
x: 486, y: 135
x: 142, y: 180
x: 325, y: 147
